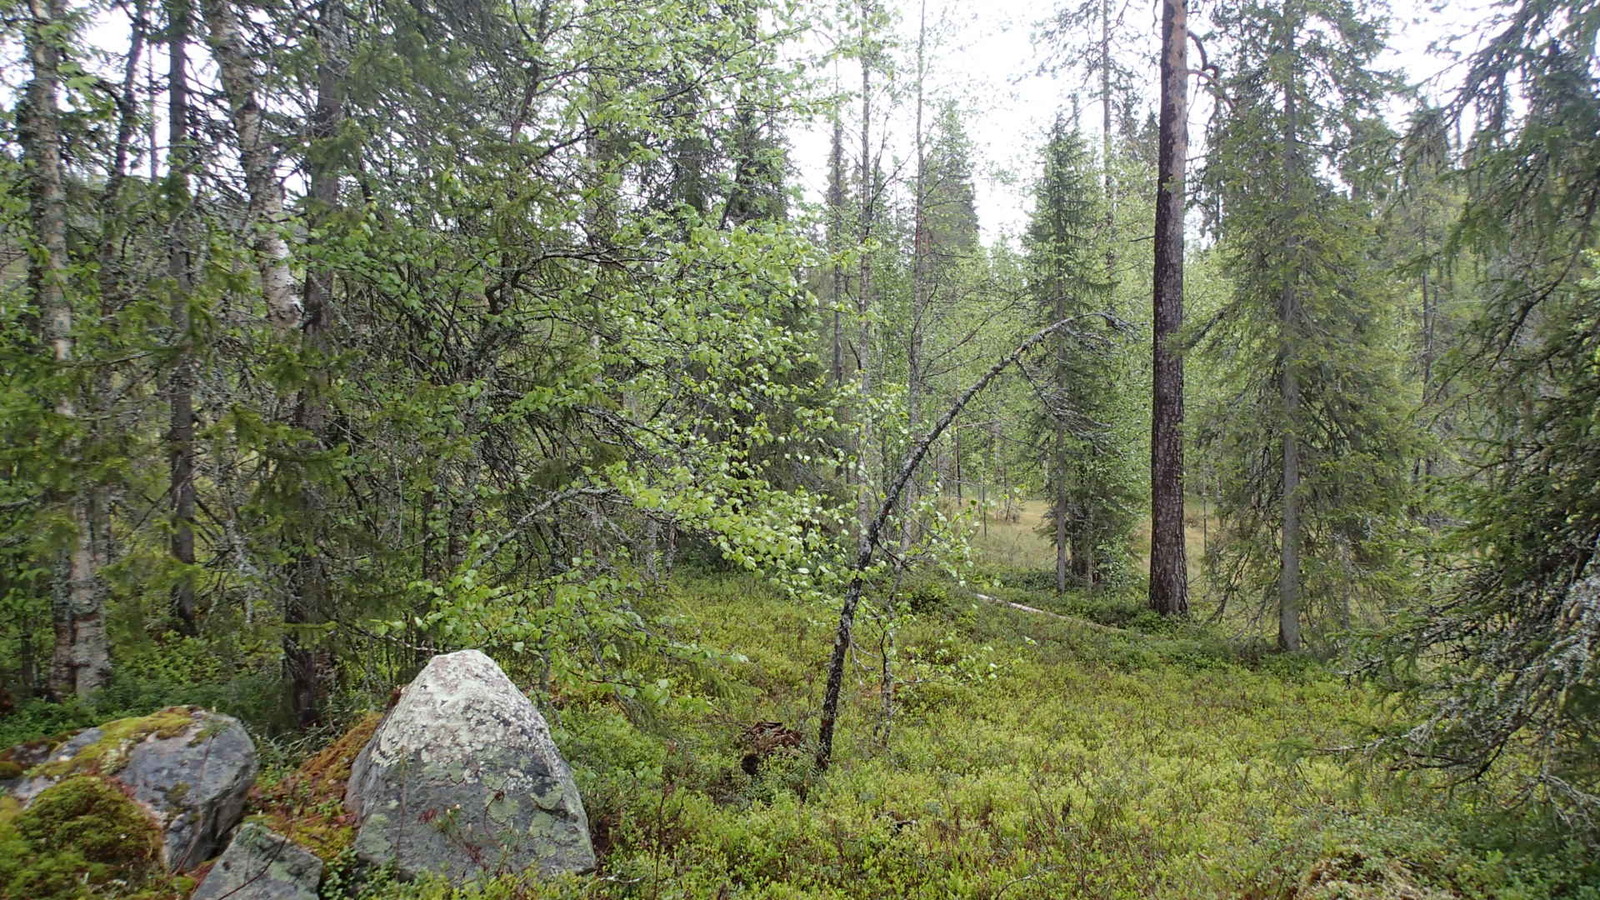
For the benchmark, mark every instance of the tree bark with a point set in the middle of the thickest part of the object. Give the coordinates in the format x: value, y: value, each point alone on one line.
x: 181, y: 380
x: 1058, y: 456
x: 1108, y: 178
x: 866, y: 442
x: 1169, y: 577
x: 836, y: 284
x: 1062, y: 541
x: 1289, y: 576
x: 920, y: 250
x: 238, y: 79
x: 80, y: 663
x: 1289, y: 600
x: 308, y: 597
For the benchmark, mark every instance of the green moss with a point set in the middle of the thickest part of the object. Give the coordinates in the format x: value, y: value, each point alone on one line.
x: 82, y: 838
x: 308, y: 806
x: 10, y: 769
x: 93, y: 817
x: 108, y: 754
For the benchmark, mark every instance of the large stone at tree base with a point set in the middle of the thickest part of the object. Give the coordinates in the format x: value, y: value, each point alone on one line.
x: 189, y: 768
x: 261, y: 864
x: 461, y: 779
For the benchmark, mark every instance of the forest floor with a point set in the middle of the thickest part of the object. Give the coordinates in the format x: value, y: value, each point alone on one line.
x: 1099, y: 752
x: 1014, y: 541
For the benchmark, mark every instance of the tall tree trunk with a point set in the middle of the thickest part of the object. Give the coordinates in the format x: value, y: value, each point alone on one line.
x: 1430, y: 390
x: 1060, y: 513
x: 1289, y: 599
x: 920, y: 250
x: 866, y: 440
x: 113, y: 277
x: 308, y: 598
x: 955, y: 463
x: 1289, y: 575
x: 836, y: 286
x: 1169, y: 575
x: 80, y: 662
x: 1109, y: 180
x: 256, y: 156
x: 181, y: 380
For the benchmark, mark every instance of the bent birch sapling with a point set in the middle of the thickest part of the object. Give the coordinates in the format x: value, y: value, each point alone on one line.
x: 868, y: 543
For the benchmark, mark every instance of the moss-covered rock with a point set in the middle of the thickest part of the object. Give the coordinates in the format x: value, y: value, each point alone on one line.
x: 105, y: 750
x: 93, y: 817
x: 187, y: 769
x: 81, y: 838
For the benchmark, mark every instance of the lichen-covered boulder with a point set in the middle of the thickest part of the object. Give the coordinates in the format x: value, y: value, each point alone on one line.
x: 189, y: 769
x: 461, y: 779
x: 261, y: 864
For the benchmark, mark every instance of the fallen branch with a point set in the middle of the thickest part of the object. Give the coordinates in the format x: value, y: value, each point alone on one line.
x: 1031, y: 609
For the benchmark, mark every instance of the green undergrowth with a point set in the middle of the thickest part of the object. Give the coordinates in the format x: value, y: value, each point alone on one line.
x: 1085, y: 750
x: 1026, y: 756
x: 179, y: 672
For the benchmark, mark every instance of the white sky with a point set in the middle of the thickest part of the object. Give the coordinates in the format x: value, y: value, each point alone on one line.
x: 982, y: 53
x: 986, y: 58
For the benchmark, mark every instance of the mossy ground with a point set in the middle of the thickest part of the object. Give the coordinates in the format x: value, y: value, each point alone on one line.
x: 307, y: 805
x: 1027, y: 757
x: 1096, y: 752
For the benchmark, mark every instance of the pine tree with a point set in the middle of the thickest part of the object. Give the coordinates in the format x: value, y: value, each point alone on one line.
x: 1169, y: 565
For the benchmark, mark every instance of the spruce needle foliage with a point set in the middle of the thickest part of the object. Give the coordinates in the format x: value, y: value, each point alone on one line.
x: 1312, y: 428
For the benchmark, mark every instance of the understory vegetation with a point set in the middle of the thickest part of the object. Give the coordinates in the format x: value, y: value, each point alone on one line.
x: 1027, y: 754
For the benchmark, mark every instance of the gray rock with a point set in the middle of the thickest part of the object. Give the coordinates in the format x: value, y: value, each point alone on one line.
x: 196, y: 783
x: 261, y: 864
x: 189, y: 768
x: 462, y: 779
x: 30, y: 786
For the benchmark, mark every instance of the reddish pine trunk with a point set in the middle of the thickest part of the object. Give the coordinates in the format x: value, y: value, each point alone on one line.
x: 1169, y: 588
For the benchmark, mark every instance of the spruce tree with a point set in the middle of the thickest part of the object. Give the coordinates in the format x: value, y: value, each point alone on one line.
x: 1087, y: 482
x: 1313, y: 431
x: 1511, y: 639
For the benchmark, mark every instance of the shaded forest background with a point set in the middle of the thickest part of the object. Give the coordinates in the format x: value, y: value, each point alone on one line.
x: 339, y: 334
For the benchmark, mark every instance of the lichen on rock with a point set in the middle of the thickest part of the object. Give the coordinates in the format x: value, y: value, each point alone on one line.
x: 261, y: 864
x: 463, y: 780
